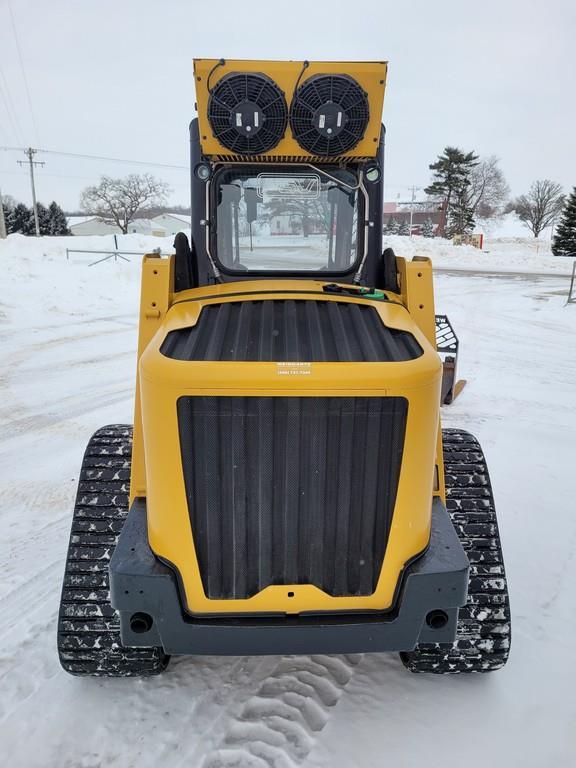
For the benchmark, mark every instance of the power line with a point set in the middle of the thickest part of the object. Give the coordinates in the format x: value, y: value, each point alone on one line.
x: 77, y: 178
x: 115, y: 159
x: 101, y: 157
x: 404, y: 186
x: 9, y: 106
x: 54, y: 175
x: 23, y: 72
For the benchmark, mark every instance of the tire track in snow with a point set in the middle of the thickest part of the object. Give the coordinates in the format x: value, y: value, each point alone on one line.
x: 28, y: 660
x: 29, y: 666
x: 34, y: 594
x: 41, y: 547
x: 34, y: 516
x: 277, y: 727
x: 127, y: 319
x: 69, y: 408
x: 29, y: 609
x: 19, y: 418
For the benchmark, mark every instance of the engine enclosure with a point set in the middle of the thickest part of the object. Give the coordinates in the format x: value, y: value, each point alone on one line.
x: 157, y: 472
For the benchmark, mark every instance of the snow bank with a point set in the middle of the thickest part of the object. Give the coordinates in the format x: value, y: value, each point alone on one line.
x: 516, y: 254
x: 37, y: 272
x: 38, y: 275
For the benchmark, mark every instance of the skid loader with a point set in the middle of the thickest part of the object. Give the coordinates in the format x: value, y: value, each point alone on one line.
x: 286, y: 486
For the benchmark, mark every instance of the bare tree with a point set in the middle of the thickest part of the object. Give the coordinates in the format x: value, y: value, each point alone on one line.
x: 488, y: 190
x: 123, y: 199
x: 540, y: 205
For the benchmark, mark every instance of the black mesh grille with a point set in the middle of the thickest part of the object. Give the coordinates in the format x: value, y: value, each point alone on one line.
x: 312, y: 106
x: 291, y: 330
x: 288, y: 490
x: 247, y: 92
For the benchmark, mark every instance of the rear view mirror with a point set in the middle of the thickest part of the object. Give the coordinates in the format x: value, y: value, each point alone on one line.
x: 333, y: 195
x: 251, y: 200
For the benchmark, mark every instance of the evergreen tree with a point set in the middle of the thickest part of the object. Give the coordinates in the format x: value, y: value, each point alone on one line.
x: 564, y: 242
x: 392, y: 227
x: 20, y: 219
x: 451, y: 181
x: 58, y: 224
x: 428, y: 228
x: 404, y: 228
x: 43, y: 221
x: 460, y: 216
x: 8, y: 218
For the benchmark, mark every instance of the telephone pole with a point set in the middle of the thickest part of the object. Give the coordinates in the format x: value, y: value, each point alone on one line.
x: 2, y: 222
x: 31, y: 162
x: 412, y: 201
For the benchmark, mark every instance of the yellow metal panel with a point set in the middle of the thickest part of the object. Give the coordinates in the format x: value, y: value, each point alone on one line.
x: 155, y: 295
x: 371, y: 75
x: 418, y: 293
x: 441, y: 489
x: 163, y: 380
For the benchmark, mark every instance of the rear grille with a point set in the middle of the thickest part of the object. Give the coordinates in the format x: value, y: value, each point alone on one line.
x: 289, y: 490
x: 290, y: 330
x: 313, y: 159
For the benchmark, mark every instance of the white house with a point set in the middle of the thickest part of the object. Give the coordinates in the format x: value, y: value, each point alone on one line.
x: 173, y: 222
x: 162, y: 225
x: 146, y: 227
x: 91, y: 225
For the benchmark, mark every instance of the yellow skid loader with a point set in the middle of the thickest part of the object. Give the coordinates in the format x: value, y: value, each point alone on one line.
x: 286, y: 486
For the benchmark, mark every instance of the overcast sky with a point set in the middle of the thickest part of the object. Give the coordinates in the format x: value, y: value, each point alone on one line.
x: 115, y: 78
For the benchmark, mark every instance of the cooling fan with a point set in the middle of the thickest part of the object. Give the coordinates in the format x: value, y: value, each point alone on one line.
x: 247, y: 112
x: 329, y: 114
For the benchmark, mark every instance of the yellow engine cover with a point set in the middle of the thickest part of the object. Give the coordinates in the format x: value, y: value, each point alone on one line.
x: 163, y: 380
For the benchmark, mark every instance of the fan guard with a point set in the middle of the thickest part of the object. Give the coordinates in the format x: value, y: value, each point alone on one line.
x: 329, y: 114
x: 247, y: 112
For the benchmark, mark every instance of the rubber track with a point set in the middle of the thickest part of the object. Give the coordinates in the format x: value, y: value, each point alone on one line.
x: 88, y: 627
x: 483, y: 639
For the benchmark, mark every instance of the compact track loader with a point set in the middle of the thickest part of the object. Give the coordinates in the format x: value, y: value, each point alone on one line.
x: 286, y: 486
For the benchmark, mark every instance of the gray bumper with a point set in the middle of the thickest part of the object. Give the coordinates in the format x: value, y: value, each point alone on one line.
x: 141, y: 584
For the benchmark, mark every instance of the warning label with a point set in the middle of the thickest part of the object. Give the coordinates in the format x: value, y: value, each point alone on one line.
x: 293, y: 369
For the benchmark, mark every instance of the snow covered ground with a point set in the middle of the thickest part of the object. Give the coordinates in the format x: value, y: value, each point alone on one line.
x: 67, y: 341
x: 507, y: 254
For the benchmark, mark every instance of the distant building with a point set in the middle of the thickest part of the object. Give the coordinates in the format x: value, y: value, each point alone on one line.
x: 173, y: 222
x: 293, y: 224
x: 146, y: 227
x: 401, y: 213
x: 160, y: 226
x: 91, y: 225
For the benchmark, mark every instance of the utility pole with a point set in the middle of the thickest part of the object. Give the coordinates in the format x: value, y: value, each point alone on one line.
x: 443, y: 218
x: 2, y: 222
x: 31, y: 162
x: 412, y: 208
x: 413, y: 199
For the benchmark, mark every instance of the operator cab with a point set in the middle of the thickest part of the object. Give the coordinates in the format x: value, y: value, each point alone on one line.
x: 287, y: 172
x: 286, y: 220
